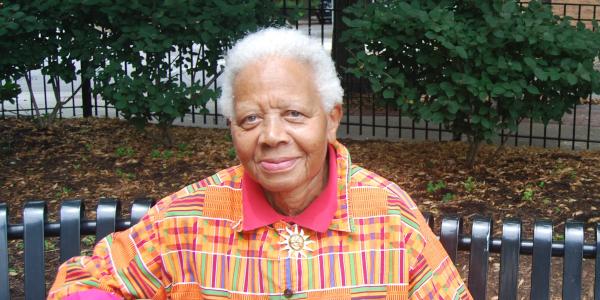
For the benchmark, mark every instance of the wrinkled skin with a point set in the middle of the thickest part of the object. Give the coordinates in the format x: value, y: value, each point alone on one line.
x: 281, y: 131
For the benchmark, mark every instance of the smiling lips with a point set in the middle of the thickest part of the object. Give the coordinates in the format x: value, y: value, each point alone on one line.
x: 276, y: 165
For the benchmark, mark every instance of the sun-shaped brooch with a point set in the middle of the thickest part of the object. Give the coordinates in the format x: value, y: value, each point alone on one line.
x: 295, y: 242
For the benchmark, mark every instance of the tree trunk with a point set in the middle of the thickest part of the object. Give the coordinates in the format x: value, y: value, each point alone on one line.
x: 166, y: 136
x: 31, y: 94
x: 456, y: 136
x: 474, y: 146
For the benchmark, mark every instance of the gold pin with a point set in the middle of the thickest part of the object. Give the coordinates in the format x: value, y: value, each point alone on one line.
x: 296, y: 242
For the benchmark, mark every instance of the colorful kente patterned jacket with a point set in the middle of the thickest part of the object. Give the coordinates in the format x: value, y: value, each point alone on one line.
x: 194, y: 245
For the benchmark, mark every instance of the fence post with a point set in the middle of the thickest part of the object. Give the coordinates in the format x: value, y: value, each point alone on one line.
x: 86, y: 90
x: 4, y: 288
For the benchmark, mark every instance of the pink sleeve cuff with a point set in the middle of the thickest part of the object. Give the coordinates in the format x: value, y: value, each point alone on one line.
x: 92, y: 294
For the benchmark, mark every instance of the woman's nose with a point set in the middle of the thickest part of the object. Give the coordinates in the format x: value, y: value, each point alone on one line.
x: 273, y: 132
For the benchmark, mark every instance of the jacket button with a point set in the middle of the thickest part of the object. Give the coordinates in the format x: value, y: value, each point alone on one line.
x: 288, y: 293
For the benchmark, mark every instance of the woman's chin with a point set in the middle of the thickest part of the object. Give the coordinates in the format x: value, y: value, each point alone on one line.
x: 279, y: 185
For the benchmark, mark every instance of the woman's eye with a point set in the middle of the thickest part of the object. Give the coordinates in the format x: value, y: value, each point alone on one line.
x: 250, y: 119
x: 294, y: 113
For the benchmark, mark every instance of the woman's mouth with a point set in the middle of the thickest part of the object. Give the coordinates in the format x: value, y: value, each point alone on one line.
x: 277, y: 165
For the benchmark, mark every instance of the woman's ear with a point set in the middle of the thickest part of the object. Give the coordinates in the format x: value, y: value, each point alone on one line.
x: 334, y: 118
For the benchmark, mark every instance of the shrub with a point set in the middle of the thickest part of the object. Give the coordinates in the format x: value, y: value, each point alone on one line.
x: 17, y: 31
x: 48, y: 35
x: 9, y: 90
x: 478, y: 67
x: 136, y: 51
x: 161, y: 42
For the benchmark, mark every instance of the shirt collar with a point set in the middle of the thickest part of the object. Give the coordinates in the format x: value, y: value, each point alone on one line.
x: 318, y: 216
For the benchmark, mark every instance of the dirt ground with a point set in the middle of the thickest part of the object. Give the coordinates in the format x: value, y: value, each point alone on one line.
x: 93, y: 158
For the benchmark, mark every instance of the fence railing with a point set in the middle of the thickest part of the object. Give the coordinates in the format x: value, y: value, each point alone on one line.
x: 364, y: 117
x: 480, y: 241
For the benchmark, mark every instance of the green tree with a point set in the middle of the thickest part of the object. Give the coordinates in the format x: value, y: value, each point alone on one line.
x: 157, y: 40
x: 477, y: 67
x: 134, y: 50
x: 17, y: 30
x: 43, y: 35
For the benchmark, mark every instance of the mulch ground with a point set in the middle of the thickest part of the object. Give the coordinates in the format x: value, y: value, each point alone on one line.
x: 93, y: 158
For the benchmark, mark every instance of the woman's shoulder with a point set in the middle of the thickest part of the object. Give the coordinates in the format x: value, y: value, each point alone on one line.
x: 361, y: 178
x: 230, y: 178
x: 193, y: 196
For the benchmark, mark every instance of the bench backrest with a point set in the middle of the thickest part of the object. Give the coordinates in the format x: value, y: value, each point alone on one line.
x: 480, y: 243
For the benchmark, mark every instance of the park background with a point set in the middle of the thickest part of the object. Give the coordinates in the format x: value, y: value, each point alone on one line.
x: 89, y: 152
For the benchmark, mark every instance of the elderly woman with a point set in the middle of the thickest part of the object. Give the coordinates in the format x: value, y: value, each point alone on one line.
x: 295, y: 220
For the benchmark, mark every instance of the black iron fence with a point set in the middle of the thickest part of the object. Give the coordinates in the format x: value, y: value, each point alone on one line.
x: 365, y: 117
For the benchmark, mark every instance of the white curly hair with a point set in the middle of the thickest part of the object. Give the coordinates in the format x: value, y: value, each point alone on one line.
x: 283, y: 42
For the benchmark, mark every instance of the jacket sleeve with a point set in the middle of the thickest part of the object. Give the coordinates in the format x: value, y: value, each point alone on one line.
x: 127, y: 264
x: 92, y: 294
x: 431, y: 272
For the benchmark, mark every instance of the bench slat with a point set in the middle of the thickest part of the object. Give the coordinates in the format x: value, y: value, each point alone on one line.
x: 509, y: 259
x: 71, y: 213
x: 34, y: 217
x: 450, y: 230
x: 4, y: 289
x: 107, y: 212
x: 573, y: 260
x: 139, y: 208
x: 480, y: 252
x: 451, y: 236
x: 597, y: 277
x: 541, y: 261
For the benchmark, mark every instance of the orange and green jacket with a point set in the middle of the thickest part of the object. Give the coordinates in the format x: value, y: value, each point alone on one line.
x: 192, y: 245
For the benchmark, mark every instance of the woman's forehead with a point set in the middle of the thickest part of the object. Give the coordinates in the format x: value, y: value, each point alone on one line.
x: 279, y: 65
x: 276, y: 75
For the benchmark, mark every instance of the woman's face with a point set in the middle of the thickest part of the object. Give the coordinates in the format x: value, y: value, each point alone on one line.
x: 280, y: 129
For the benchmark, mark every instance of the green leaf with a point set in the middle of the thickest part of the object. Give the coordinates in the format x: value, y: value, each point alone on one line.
x: 571, y: 79
x: 432, y: 89
x: 121, y: 105
x: 554, y: 74
x: 498, y: 90
x: 453, y: 107
x: 461, y: 52
x: 533, y: 89
x: 530, y: 62
x: 388, y: 94
x: 448, y: 89
x: 582, y: 72
x: 540, y: 74
x: 375, y: 85
x: 12, y: 26
x: 547, y: 36
x: 509, y: 8
x: 486, y: 123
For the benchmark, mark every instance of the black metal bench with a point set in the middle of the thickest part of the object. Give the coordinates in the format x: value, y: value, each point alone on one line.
x: 480, y: 243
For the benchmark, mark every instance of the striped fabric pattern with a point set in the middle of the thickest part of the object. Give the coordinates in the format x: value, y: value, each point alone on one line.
x: 191, y: 246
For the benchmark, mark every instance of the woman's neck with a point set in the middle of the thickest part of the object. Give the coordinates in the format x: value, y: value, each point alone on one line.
x: 292, y: 203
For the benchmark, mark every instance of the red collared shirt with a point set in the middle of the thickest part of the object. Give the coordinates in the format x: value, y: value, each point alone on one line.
x: 257, y: 212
